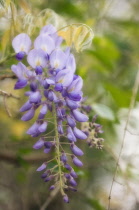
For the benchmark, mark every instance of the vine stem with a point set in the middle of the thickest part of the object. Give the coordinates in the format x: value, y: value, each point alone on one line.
x: 58, y: 150
x: 132, y: 102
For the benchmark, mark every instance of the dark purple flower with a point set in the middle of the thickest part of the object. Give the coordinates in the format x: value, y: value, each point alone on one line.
x: 20, y: 84
x: 48, y: 144
x: 19, y: 56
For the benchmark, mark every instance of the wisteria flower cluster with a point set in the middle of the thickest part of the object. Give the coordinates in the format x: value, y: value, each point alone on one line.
x: 54, y: 88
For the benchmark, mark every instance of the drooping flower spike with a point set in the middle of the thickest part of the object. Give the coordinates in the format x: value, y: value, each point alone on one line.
x: 54, y: 88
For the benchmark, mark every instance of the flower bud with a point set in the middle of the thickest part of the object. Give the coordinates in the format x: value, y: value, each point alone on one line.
x: 39, y: 144
x: 42, y: 167
x: 77, y: 162
x: 65, y: 199
x: 76, y: 150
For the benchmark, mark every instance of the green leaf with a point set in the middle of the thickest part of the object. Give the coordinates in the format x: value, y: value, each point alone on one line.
x: 121, y: 97
x: 104, y: 111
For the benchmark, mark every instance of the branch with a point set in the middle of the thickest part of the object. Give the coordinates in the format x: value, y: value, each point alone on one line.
x: 132, y: 102
x: 12, y: 76
x: 4, y: 93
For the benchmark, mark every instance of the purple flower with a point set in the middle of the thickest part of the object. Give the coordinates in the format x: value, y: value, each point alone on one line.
x: 70, y: 135
x: 73, y: 182
x: 42, y: 128
x: 76, y: 150
x: 64, y: 77
x: 71, y: 63
x: 39, y: 144
x: 42, y: 167
x: 21, y: 44
x: 45, y: 43
x: 37, y: 58
x: 35, y: 97
x: 71, y: 122
x: 48, y: 144
x: 57, y: 59
x: 47, y: 150
x: 73, y: 174
x: 53, y: 87
x: 60, y: 127
x: 33, y: 130
x: 79, y: 134
x: 48, y: 30
x: 76, y: 85
x: 63, y: 157
x: 52, y: 187
x: 26, y: 107
x: 79, y: 116
x: 20, y: 70
x: 67, y: 166
x: 77, y: 162
x: 44, y: 109
x: 71, y: 104
x: 65, y: 199
x: 28, y: 115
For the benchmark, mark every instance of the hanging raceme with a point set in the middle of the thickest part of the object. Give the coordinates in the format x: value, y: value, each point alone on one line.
x: 54, y: 87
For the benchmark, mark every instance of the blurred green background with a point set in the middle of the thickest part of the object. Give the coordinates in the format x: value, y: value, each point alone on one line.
x: 109, y: 68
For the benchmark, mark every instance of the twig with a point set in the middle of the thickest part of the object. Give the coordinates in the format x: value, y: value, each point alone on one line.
x: 134, y: 134
x: 12, y: 76
x: 132, y: 102
x: 50, y: 198
x: 4, y: 93
x: 6, y: 107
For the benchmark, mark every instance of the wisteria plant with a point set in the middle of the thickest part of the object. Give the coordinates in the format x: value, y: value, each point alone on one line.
x: 54, y: 87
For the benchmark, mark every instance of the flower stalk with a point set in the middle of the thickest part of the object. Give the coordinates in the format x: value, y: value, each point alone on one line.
x: 58, y: 150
